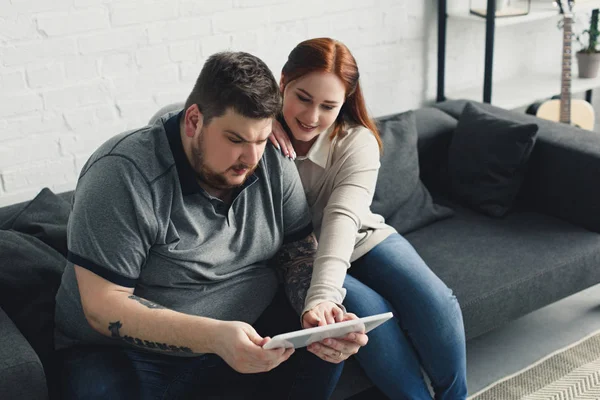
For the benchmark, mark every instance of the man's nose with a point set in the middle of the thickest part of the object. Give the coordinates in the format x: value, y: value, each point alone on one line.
x: 252, y: 154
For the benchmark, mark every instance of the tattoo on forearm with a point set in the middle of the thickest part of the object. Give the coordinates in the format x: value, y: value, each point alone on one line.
x: 114, y: 327
x: 297, y: 258
x: 145, y: 302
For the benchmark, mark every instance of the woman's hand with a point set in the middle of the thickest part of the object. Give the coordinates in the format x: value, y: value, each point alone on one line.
x: 324, y: 313
x: 281, y: 140
x: 333, y: 350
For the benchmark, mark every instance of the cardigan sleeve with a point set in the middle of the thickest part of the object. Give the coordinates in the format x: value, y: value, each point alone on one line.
x: 348, y: 204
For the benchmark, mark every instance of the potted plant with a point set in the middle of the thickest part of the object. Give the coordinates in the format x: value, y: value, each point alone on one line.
x: 588, y: 58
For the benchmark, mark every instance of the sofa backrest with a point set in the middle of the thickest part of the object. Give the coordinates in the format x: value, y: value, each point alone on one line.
x: 165, y: 110
x: 564, y: 167
x: 434, y: 129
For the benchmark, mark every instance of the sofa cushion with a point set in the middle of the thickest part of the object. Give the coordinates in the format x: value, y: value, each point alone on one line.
x: 21, y: 373
x: 435, y: 129
x: 400, y: 196
x: 30, y: 274
x: 563, y: 162
x: 31, y: 270
x: 487, y: 160
x: 9, y: 213
x: 501, y: 269
x: 45, y: 217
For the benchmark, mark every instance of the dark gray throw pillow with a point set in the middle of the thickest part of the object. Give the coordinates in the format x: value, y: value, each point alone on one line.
x: 33, y: 243
x: 400, y: 196
x: 30, y: 274
x: 487, y: 160
x: 45, y: 217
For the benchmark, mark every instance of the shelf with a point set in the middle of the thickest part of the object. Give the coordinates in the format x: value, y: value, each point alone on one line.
x: 539, y: 11
x: 524, y: 89
x: 532, y: 16
x: 585, y: 5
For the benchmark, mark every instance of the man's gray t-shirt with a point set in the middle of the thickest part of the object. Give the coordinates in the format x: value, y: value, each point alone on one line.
x: 139, y: 219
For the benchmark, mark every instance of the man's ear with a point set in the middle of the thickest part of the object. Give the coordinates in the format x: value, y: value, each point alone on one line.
x: 281, y: 85
x: 193, y: 120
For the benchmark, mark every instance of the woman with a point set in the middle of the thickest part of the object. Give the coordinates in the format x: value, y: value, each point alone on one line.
x: 326, y: 125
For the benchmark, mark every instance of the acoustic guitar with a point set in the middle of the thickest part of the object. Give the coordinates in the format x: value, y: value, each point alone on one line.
x: 576, y: 112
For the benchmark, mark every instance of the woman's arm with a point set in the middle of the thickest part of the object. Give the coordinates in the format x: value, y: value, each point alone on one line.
x: 348, y: 204
x: 296, y: 259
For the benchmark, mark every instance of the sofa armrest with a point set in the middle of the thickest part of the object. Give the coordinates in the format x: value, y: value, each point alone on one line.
x: 21, y: 372
x: 165, y: 110
x: 563, y: 173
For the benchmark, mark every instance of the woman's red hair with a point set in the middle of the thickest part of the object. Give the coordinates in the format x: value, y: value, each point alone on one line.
x: 329, y: 55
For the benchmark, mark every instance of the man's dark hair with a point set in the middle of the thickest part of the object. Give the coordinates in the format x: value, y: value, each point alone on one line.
x: 239, y: 81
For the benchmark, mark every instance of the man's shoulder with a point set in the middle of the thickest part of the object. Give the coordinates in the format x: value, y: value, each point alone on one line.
x: 145, y: 149
x: 273, y: 161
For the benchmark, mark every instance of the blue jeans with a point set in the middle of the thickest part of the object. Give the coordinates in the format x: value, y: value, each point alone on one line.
x: 427, y: 330
x: 101, y: 372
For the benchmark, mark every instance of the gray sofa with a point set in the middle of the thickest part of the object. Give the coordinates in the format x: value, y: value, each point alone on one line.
x: 546, y: 248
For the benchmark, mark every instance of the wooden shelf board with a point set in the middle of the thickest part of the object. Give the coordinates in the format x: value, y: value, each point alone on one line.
x: 524, y: 89
x: 534, y: 15
x: 588, y: 5
x: 539, y: 11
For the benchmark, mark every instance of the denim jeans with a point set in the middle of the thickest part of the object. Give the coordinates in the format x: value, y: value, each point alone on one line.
x: 101, y: 372
x: 427, y: 329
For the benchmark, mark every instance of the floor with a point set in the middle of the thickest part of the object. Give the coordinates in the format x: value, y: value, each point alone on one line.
x: 507, y: 350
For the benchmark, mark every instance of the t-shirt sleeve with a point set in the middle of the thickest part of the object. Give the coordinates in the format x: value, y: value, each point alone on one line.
x: 296, y: 215
x: 112, y: 225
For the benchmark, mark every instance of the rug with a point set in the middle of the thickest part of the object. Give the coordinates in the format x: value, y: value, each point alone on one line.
x: 572, y: 373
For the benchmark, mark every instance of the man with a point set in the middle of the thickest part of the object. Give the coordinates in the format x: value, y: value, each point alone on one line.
x: 179, y: 235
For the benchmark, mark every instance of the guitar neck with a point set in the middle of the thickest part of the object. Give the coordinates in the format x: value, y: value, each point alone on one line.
x: 567, y: 57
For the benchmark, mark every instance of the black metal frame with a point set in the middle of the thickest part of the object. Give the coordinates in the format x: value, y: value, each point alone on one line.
x: 489, y: 50
x: 442, y: 19
x: 490, y: 29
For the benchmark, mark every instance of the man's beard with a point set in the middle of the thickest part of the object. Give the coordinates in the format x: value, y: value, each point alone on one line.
x: 209, y: 176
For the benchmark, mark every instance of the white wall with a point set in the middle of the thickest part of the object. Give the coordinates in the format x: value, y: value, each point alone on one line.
x: 75, y: 72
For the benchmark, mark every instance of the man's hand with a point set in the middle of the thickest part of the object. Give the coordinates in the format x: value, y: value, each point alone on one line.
x: 333, y: 350
x: 241, y: 348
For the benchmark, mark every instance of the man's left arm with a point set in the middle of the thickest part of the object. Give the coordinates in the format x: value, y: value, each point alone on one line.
x: 296, y: 260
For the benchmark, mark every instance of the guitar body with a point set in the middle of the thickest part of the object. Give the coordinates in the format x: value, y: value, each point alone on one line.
x: 582, y: 113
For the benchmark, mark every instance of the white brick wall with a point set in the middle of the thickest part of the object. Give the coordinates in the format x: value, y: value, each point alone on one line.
x: 75, y: 72
x: 71, y: 22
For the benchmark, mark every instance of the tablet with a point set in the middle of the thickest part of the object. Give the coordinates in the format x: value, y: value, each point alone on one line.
x: 304, y: 337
